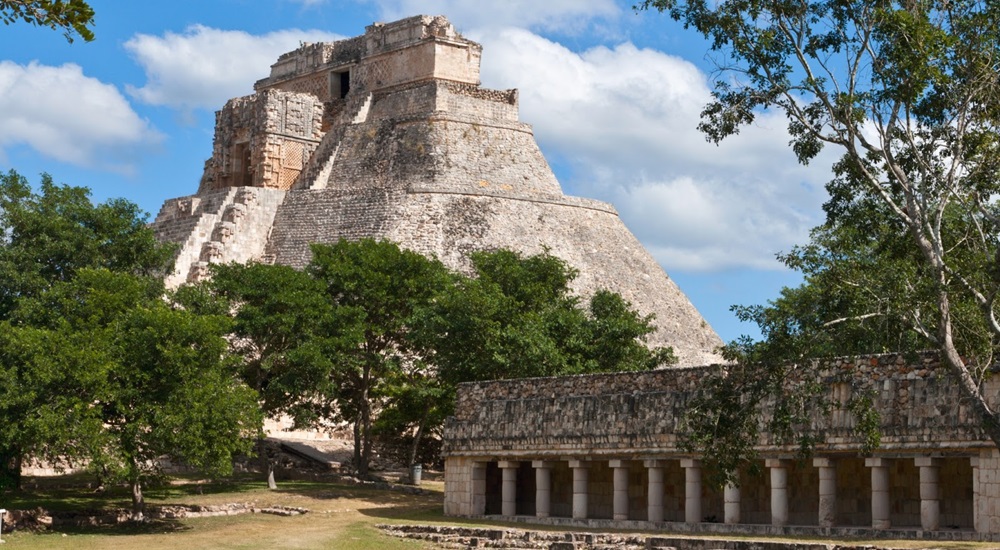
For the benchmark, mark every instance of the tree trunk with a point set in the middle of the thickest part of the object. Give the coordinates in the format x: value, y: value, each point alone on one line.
x: 138, y: 503
x: 416, y: 438
x: 266, y: 463
x: 966, y: 383
x: 16, y: 469
x: 366, y: 422
x: 357, y: 444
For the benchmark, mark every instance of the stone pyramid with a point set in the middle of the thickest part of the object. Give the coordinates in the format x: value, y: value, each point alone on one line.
x: 389, y: 135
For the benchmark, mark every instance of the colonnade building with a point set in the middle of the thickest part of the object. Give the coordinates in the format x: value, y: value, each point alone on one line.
x: 605, y: 451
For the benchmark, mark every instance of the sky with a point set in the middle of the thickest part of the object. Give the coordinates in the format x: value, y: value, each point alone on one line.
x: 614, y: 97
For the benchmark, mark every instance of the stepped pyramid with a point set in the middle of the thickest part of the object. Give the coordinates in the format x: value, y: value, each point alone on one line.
x: 389, y: 135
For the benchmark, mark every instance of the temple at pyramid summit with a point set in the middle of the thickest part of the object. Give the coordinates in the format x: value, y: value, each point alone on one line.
x: 389, y: 135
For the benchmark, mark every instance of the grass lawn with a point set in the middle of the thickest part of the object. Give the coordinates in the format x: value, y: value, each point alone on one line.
x: 341, y: 517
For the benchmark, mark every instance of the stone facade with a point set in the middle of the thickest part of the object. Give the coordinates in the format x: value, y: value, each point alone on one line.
x: 604, y: 450
x: 389, y: 136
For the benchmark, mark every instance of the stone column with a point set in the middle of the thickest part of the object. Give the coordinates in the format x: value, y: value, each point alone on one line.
x: 692, y: 490
x: 930, y: 492
x: 620, y: 502
x: 654, y: 490
x: 975, y: 493
x: 733, y: 504
x: 581, y: 488
x: 508, y: 491
x: 543, y: 487
x: 779, y: 491
x: 478, y: 488
x: 880, y: 492
x: 827, y: 491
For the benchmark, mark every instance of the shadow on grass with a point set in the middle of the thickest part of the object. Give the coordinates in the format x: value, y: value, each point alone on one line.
x: 149, y: 527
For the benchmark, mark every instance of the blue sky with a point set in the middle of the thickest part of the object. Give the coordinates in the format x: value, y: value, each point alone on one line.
x: 613, y: 96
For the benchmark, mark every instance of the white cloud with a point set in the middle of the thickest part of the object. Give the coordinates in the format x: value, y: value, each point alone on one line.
x: 204, y: 67
x: 65, y: 115
x: 625, y: 120
x: 552, y: 15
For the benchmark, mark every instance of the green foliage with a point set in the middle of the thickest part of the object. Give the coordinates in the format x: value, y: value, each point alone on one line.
x: 909, y: 94
x: 72, y: 16
x: 282, y: 324
x: 516, y: 318
x: 379, y: 290
x: 118, y: 377
x: 46, y: 236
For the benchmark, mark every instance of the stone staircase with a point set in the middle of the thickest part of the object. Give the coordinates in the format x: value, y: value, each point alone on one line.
x: 317, y: 172
x: 229, y: 225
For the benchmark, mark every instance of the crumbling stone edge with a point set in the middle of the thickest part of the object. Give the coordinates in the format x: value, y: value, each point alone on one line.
x: 40, y: 519
x: 484, y: 537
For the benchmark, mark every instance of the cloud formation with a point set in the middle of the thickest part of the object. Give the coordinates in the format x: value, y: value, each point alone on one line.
x: 550, y: 15
x: 204, y: 67
x: 70, y: 117
x: 624, y: 120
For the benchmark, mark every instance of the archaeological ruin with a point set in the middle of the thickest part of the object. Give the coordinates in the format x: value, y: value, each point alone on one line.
x: 603, y: 451
x: 390, y: 136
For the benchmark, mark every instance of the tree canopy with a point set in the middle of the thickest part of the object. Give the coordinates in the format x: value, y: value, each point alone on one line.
x: 909, y: 93
x: 71, y: 16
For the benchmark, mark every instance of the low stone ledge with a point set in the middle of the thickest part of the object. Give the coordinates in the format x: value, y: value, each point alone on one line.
x: 39, y: 519
x: 484, y: 537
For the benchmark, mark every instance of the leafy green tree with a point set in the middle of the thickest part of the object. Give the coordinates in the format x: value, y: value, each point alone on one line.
x: 46, y: 237
x: 283, y: 329
x: 379, y: 291
x: 909, y: 94
x: 124, y: 379
x: 516, y: 318
x: 72, y: 16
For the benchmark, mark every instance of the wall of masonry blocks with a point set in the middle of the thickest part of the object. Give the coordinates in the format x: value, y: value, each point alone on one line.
x: 280, y: 130
x: 920, y: 408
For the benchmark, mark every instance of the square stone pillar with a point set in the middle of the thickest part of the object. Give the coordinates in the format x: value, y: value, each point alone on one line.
x: 581, y: 488
x: 508, y: 491
x: 779, y: 491
x: 930, y: 492
x: 654, y: 490
x: 827, y: 491
x: 543, y: 487
x: 880, y: 492
x: 976, y: 524
x: 692, y: 490
x: 620, y: 502
x: 479, y: 488
x: 733, y: 504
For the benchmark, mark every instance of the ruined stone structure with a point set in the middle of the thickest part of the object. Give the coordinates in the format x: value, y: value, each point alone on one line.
x: 389, y: 135
x: 603, y: 451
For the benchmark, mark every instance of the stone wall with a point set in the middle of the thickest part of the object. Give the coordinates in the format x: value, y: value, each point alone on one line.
x: 263, y: 140
x: 920, y: 409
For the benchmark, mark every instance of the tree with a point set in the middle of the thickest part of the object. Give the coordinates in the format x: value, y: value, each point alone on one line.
x: 72, y: 16
x: 46, y: 238
x: 909, y: 93
x: 136, y: 379
x: 516, y: 318
x: 379, y: 291
x: 283, y: 329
